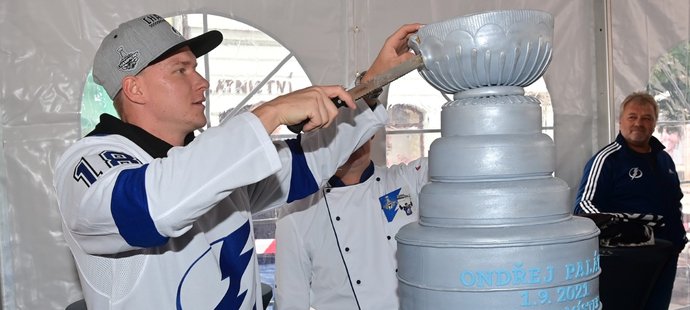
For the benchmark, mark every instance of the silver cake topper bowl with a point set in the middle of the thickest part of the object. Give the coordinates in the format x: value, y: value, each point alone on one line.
x: 489, y: 53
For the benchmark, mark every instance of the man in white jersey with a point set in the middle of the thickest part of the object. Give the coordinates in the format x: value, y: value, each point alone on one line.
x: 159, y: 219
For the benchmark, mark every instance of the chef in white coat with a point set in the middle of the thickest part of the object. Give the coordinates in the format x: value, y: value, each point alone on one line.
x: 336, y: 248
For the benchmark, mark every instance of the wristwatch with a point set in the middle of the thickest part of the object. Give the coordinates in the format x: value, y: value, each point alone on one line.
x: 371, y: 98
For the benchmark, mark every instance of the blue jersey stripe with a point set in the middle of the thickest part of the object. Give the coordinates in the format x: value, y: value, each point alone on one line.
x: 302, y: 182
x: 130, y: 210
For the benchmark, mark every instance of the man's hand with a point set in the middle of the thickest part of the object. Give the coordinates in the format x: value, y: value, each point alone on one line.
x: 394, y: 51
x: 312, y: 103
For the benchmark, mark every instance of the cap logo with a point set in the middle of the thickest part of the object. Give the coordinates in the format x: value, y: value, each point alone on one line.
x: 128, y: 61
x: 152, y: 19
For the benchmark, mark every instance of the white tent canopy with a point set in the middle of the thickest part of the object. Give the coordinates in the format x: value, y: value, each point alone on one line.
x: 603, y: 50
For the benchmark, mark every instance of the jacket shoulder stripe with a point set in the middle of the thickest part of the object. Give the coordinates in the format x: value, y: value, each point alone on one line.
x: 593, y: 177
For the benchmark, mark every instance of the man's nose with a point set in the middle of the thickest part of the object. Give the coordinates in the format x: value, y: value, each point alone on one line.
x: 202, y: 82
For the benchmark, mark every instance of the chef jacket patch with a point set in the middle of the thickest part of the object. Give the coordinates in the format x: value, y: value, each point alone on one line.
x: 405, y: 203
x: 391, y: 202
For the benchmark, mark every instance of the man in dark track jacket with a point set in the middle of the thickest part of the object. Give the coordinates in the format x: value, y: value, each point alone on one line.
x: 634, y: 175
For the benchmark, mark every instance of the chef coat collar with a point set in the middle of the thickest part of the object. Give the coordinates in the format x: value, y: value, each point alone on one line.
x: 366, y: 174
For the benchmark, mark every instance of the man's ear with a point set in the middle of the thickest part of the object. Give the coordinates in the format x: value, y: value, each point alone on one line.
x: 131, y: 89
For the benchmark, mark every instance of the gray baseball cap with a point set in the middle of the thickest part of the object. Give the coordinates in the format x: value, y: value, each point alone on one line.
x: 142, y: 41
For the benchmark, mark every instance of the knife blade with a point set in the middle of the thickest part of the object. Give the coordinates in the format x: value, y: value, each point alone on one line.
x: 374, y: 83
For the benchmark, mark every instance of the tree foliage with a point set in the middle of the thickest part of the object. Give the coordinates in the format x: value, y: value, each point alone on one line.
x: 669, y: 84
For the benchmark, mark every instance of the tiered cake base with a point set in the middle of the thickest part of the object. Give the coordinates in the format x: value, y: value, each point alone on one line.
x: 495, y: 228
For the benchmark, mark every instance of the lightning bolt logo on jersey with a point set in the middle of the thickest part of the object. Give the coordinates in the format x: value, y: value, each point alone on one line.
x: 234, y: 262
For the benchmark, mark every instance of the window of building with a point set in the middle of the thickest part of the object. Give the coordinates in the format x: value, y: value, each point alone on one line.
x: 248, y: 68
x: 414, y: 109
x: 669, y: 84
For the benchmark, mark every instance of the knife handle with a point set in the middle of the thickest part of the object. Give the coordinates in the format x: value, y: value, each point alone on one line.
x: 297, y: 128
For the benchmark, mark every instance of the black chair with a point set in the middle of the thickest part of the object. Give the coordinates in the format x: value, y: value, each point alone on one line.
x: 77, y: 305
x: 628, y: 274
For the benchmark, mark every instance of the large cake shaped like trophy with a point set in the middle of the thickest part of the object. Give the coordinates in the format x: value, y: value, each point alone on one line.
x: 495, y: 228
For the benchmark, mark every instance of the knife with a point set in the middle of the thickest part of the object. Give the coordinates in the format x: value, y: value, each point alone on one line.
x: 374, y: 83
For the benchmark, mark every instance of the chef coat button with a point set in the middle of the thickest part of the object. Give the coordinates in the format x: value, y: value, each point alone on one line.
x: 378, y: 179
x: 328, y: 190
x: 359, y: 282
x: 396, y: 269
x: 388, y: 237
x: 337, y: 218
x: 347, y: 249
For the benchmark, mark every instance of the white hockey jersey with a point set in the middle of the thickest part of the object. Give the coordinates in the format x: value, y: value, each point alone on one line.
x: 156, y: 230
